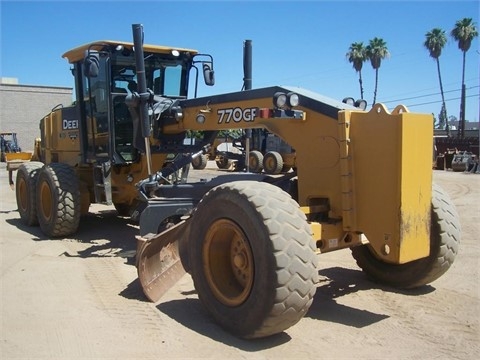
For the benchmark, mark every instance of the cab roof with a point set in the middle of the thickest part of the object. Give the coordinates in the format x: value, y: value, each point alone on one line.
x: 78, y: 53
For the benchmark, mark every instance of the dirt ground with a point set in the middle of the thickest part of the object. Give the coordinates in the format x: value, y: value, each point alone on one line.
x: 79, y: 298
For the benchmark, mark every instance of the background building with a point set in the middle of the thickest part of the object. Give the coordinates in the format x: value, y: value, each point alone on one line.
x: 22, y: 107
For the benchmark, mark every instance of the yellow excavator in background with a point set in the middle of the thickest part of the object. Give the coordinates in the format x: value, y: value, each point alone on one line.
x: 362, y: 181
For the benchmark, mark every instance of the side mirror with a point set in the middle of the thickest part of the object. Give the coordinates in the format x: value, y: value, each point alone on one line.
x: 91, y: 63
x: 208, y: 74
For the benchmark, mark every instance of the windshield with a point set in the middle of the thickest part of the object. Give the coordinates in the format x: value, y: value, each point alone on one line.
x: 165, y: 75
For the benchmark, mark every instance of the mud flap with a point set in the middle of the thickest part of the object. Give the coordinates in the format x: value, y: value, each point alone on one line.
x: 10, y: 179
x: 13, y: 165
x: 159, y: 264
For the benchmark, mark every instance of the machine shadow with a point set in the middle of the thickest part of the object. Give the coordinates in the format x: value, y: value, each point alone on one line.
x: 107, y: 234
x: 191, y: 314
x: 336, y: 282
x: 34, y: 231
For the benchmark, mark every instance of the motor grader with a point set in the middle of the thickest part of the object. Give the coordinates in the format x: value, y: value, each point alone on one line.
x: 251, y: 241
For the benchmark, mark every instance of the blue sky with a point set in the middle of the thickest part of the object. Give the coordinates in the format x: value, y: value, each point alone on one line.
x: 298, y: 43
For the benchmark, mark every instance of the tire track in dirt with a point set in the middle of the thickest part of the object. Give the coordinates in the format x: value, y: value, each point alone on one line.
x: 456, y: 189
x: 148, y: 330
x: 49, y: 321
x: 419, y: 314
x: 108, y: 285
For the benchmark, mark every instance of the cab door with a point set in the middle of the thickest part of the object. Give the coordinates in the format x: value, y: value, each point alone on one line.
x: 98, y: 110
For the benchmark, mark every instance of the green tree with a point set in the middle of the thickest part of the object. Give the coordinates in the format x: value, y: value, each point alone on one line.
x: 357, y: 55
x: 435, y: 41
x: 376, y: 51
x: 464, y: 32
x: 442, y: 120
x: 452, y: 119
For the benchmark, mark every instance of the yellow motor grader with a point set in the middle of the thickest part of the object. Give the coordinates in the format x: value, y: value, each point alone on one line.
x: 250, y: 241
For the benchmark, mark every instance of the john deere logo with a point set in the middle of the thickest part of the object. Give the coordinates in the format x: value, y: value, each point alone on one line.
x: 69, y: 124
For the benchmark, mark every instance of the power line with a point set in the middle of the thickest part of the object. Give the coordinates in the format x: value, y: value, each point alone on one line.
x: 445, y: 85
x: 439, y: 101
x: 427, y: 95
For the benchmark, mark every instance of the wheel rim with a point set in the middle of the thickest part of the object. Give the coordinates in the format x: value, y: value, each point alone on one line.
x: 23, y: 194
x: 228, y: 262
x: 253, y: 162
x: 46, y: 201
x: 270, y: 163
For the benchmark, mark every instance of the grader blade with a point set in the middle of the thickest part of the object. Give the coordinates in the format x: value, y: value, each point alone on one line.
x: 158, y: 261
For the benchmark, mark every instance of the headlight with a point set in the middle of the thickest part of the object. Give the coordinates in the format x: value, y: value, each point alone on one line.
x: 361, y: 104
x: 349, y: 101
x: 279, y: 99
x: 292, y: 99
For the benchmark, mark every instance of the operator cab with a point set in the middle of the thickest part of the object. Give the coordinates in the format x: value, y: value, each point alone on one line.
x: 105, y: 75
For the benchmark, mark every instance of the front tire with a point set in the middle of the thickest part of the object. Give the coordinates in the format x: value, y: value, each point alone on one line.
x: 26, y: 182
x: 58, y: 200
x: 253, y: 260
x: 444, y: 241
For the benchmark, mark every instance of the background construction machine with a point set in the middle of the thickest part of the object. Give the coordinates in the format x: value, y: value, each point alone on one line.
x: 266, y: 152
x: 249, y: 240
x: 12, y: 153
x: 10, y: 149
x: 8, y: 144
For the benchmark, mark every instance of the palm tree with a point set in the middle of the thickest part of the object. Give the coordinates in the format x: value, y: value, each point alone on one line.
x: 357, y: 56
x: 435, y: 40
x: 376, y: 51
x: 464, y: 32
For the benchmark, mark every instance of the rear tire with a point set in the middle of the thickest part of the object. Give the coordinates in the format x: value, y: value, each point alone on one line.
x: 58, y: 200
x: 253, y: 260
x: 444, y: 241
x: 25, y: 185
